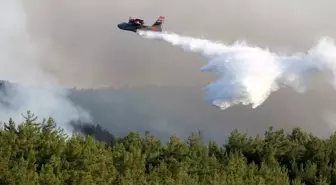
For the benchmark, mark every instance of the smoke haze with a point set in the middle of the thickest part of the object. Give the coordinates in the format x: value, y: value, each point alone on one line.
x: 34, y: 89
x: 83, y: 47
x: 87, y: 49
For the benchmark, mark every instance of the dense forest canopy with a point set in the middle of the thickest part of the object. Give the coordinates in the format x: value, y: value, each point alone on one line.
x: 35, y: 152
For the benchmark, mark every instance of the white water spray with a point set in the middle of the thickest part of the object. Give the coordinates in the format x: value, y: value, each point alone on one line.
x: 248, y: 75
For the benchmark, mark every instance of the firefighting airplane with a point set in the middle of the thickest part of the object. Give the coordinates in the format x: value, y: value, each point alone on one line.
x: 135, y: 24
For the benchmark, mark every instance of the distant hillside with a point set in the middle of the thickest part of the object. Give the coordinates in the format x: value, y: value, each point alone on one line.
x: 181, y: 110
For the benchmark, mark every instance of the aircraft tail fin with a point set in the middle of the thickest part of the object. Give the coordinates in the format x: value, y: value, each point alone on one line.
x: 157, y: 26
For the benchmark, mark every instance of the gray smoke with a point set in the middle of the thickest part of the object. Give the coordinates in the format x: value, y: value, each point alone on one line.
x: 34, y: 89
x: 84, y: 48
x: 88, y: 50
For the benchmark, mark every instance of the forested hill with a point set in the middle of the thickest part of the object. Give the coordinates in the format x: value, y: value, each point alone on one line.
x: 38, y: 153
x: 182, y: 110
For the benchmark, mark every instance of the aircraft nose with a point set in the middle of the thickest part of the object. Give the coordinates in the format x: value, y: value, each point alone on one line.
x: 121, y: 25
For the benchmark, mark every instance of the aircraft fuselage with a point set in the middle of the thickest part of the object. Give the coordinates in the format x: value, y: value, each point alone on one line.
x: 133, y: 27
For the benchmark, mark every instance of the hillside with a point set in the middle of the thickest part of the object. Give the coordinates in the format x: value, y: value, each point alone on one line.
x: 181, y: 110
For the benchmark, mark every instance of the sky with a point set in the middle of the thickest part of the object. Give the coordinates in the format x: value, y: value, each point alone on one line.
x: 83, y: 47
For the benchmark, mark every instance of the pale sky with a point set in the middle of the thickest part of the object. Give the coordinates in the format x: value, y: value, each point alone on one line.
x: 83, y: 47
